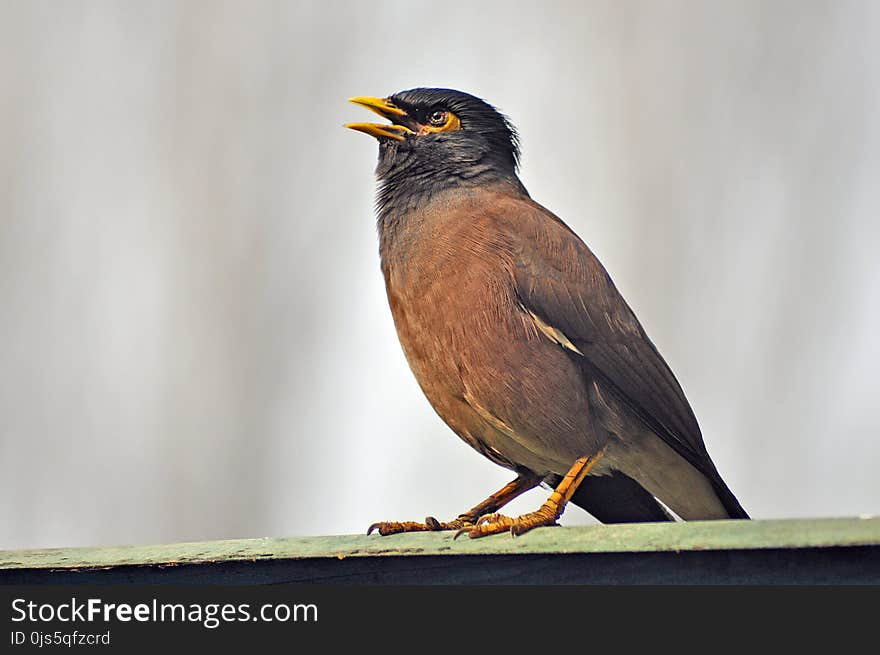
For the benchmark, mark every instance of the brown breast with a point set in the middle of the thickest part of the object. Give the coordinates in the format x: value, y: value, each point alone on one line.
x: 482, y: 362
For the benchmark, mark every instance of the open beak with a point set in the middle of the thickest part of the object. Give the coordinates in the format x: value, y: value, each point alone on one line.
x: 386, y: 109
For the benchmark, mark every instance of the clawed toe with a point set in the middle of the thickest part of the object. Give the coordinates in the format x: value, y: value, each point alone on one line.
x: 385, y: 528
x: 431, y: 524
x: 490, y: 524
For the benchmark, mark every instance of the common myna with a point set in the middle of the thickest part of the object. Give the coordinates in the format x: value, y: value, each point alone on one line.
x: 517, y: 335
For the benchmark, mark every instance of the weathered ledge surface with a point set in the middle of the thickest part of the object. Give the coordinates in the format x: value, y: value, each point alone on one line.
x: 827, y: 551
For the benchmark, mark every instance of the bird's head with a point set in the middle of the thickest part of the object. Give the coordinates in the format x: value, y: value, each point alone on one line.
x: 438, y: 135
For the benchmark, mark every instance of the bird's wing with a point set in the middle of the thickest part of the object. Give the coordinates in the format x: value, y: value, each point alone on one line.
x: 561, y: 282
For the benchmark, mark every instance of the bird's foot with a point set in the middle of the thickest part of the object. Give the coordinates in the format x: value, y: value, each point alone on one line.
x: 497, y: 523
x: 464, y: 521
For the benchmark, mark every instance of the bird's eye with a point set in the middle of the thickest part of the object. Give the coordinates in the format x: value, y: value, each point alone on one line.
x: 438, y: 117
x: 440, y: 120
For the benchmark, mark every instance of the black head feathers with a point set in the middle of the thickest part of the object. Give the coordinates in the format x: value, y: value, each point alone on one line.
x: 479, y: 120
x: 439, y: 139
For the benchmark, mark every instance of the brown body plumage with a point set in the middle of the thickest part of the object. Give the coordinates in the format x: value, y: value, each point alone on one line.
x: 518, y: 337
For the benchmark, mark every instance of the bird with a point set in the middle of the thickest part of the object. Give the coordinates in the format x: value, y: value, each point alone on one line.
x: 518, y: 336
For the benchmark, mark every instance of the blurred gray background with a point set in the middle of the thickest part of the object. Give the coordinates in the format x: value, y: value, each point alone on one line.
x: 194, y: 336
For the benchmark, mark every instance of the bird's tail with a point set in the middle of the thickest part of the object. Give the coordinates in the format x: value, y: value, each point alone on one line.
x: 725, y: 495
x: 616, y: 498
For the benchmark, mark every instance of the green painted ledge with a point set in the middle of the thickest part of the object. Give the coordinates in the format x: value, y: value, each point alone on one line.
x: 794, y: 534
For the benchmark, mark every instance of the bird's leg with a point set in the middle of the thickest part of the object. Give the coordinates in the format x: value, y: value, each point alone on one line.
x: 546, y: 515
x: 522, y: 483
x: 493, y: 503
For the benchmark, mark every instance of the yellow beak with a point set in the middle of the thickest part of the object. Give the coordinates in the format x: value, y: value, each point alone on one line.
x: 386, y: 109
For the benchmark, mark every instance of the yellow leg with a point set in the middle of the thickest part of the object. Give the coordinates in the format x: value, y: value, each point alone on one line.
x: 493, y: 503
x: 546, y: 515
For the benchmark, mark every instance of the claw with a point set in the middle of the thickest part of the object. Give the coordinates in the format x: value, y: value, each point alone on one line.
x: 488, y: 518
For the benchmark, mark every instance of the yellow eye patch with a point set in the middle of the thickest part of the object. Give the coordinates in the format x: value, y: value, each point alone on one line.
x: 450, y: 123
